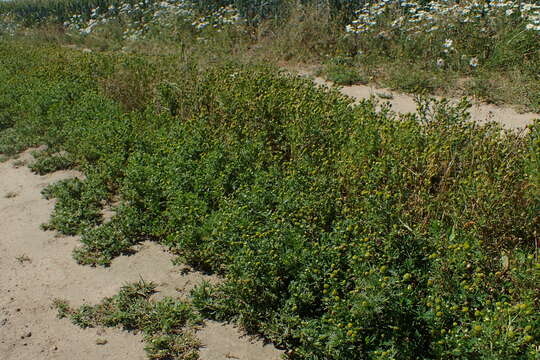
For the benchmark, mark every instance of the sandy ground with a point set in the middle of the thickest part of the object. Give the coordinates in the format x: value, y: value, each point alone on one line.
x: 36, y: 267
x: 404, y: 103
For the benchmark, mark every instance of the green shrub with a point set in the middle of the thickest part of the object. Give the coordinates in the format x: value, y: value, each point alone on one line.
x: 342, y: 232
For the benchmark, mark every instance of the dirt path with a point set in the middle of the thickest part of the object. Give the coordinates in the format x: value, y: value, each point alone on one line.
x: 404, y: 103
x: 36, y: 267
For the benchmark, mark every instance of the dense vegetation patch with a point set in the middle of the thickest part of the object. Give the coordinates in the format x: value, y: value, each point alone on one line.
x: 489, y: 49
x: 342, y: 232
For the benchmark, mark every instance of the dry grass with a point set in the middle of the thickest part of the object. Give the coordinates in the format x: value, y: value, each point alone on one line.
x: 308, y: 35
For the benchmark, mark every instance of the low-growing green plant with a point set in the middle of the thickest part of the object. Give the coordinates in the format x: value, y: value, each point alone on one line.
x: 167, y: 324
x: 343, y: 75
x: 342, y: 231
x: 103, y: 243
x: 46, y: 163
x: 78, y: 206
x: 412, y: 80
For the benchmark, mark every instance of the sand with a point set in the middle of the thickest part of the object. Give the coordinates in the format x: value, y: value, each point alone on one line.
x: 37, y: 266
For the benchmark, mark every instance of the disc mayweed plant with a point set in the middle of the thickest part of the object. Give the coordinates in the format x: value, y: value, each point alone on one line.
x: 137, y: 19
x: 472, y: 25
x: 8, y: 26
x: 415, y: 18
x: 226, y: 15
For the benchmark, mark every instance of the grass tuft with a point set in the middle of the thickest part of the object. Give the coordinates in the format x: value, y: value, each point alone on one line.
x: 167, y: 324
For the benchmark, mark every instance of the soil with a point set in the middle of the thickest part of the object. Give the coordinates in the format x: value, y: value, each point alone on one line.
x: 37, y: 267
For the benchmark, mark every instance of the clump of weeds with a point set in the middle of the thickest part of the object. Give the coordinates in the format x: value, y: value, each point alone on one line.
x: 167, y: 324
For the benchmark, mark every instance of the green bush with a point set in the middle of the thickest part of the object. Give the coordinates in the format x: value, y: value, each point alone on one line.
x: 343, y: 75
x: 342, y: 232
